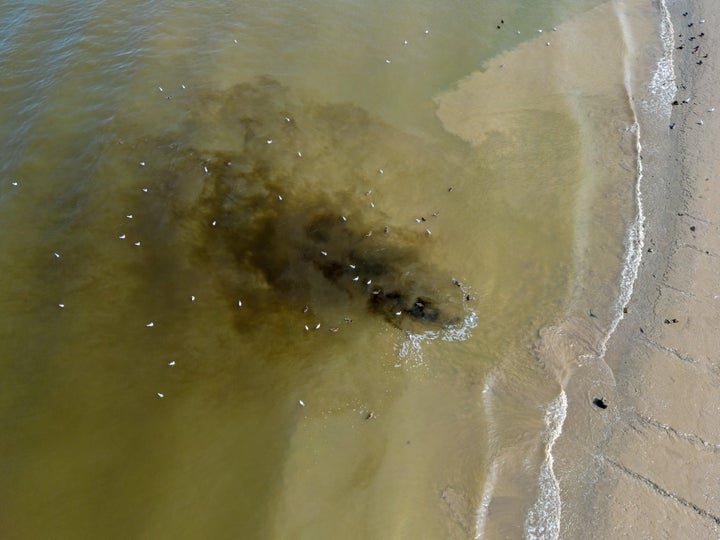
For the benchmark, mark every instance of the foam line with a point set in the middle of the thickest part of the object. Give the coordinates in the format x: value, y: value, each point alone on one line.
x: 662, y: 85
x: 410, y: 350
x: 662, y: 88
x: 494, y: 467
x: 543, y: 520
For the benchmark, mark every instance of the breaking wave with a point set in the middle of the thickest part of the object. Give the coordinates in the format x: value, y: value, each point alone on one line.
x: 543, y: 520
x: 410, y: 351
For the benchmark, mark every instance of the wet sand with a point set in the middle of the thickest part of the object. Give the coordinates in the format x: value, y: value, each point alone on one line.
x: 652, y: 454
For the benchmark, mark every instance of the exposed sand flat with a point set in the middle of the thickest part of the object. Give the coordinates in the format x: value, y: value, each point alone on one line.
x: 658, y: 464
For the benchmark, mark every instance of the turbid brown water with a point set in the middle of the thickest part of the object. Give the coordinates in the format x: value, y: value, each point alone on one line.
x: 257, y: 288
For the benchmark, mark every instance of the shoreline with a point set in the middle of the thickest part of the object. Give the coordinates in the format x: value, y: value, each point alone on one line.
x: 650, y: 459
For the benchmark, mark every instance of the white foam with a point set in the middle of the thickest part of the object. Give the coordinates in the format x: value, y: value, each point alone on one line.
x: 543, y: 520
x: 488, y: 489
x: 662, y: 85
x: 462, y: 331
x: 410, y: 350
x: 494, y: 467
x: 634, y: 242
x: 635, y: 238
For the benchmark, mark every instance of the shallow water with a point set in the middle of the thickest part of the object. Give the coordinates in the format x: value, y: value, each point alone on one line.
x: 271, y: 272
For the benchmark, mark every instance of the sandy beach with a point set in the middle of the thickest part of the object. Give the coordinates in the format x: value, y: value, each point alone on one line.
x: 653, y: 452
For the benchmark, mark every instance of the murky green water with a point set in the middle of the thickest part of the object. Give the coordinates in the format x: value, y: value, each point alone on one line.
x: 254, y: 287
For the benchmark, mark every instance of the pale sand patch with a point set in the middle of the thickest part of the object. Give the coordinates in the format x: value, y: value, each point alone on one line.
x: 579, y: 59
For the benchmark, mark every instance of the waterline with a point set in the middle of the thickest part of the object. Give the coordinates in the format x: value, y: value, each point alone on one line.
x: 662, y: 85
x: 663, y: 88
x: 543, y: 521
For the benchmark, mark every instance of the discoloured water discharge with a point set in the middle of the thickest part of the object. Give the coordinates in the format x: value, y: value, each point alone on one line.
x: 250, y: 186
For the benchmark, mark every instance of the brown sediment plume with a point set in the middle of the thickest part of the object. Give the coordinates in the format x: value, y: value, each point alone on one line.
x: 268, y: 196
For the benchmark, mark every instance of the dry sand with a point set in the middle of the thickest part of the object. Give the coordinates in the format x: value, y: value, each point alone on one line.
x: 656, y: 457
